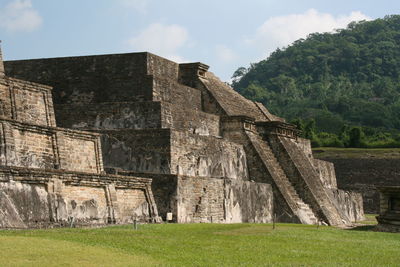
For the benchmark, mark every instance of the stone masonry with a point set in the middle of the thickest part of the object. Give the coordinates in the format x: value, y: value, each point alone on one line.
x: 212, y: 155
x: 389, y: 213
x: 52, y: 176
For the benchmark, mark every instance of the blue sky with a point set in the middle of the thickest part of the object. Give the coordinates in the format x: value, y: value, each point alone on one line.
x: 223, y: 34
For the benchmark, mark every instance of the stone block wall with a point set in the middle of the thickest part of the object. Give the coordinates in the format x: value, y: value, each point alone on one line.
x: 97, y: 79
x: 207, y: 156
x: 142, y: 151
x: 26, y: 102
x: 137, y: 115
x: 200, y: 200
x: 389, y: 212
x: 23, y: 205
x: 37, y: 198
x: 326, y: 171
x: 133, y: 204
x: 110, y: 115
x: 25, y: 145
x: 204, y: 199
x: 85, y: 204
x: 170, y: 91
x: 248, y: 202
x: 305, y: 145
x: 161, y: 67
x: 350, y: 202
x: 79, y: 152
x: 363, y: 175
x: 190, y: 121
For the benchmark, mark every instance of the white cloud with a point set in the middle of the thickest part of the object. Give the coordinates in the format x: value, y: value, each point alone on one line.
x: 139, y: 5
x: 160, y: 39
x: 19, y: 15
x: 283, y: 30
x: 225, y: 54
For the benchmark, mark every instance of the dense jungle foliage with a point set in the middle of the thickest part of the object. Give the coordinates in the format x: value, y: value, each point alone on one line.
x: 342, y: 89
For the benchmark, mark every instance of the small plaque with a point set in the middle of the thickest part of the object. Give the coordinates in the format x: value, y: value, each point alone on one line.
x: 169, y: 216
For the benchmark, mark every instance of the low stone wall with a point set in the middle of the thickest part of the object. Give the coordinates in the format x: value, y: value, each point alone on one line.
x: 363, y: 175
x: 25, y: 145
x: 32, y: 198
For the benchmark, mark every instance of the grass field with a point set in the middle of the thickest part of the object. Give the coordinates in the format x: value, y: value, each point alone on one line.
x: 336, y: 152
x: 200, y: 245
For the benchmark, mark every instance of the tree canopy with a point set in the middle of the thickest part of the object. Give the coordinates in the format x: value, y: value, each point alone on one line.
x: 349, y: 77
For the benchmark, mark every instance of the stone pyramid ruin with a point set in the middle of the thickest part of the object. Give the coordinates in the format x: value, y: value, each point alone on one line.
x: 209, y: 154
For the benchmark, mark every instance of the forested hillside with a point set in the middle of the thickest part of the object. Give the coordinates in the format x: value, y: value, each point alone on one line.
x: 342, y: 88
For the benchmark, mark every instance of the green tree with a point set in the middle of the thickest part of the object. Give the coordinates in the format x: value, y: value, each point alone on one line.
x: 356, y: 136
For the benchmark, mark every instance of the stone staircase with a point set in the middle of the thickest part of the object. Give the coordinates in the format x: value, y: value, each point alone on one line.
x: 307, y: 181
x: 296, y: 204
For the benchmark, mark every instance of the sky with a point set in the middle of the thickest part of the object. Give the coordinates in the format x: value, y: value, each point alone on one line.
x: 222, y: 34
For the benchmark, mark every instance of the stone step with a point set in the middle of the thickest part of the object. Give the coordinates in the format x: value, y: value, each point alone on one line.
x: 282, y: 181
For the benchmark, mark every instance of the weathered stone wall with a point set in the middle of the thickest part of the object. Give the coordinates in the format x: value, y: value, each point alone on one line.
x: 137, y: 115
x: 248, y: 202
x: 389, y: 212
x: 200, y: 200
x: 29, y: 148
x: 363, y: 175
x: 173, y: 152
x: 23, y: 205
x: 350, y: 202
x: 123, y: 115
x: 108, y: 78
x: 97, y: 79
x: 85, y: 204
x: 26, y: 102
x: 25, y: 145
x: 305, y: 145
x: 203, y: 199
x: 194, y: 155
x: 170, y: 91
x: 32, y: 198
x: 142, y: 151
x: 326, y: 171
x: 161, y: 67
x: 190, y: 120
x: 79, y: 152
x: 132, y: 204
x: 164, y: 188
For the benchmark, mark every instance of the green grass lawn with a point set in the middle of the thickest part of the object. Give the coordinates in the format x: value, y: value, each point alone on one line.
x: 336, y: 152
x: 200, y: 245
